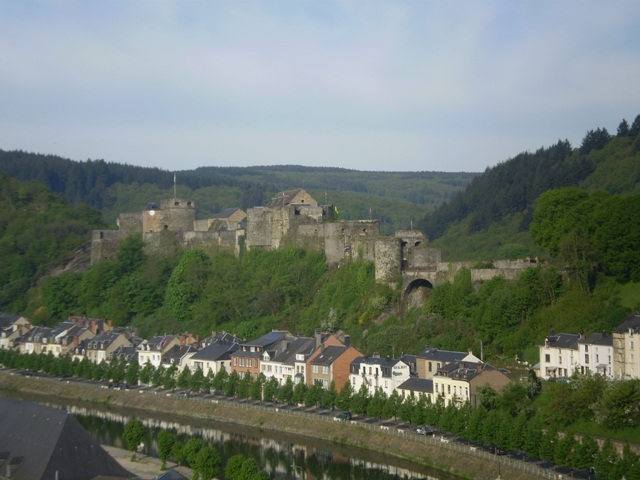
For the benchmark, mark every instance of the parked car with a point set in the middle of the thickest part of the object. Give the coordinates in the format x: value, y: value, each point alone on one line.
x: 425, y: 430
x: 342, y: 417
x: 497, y: 450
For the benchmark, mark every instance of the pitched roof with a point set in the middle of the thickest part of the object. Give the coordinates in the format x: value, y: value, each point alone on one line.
x: 226, y: 213
x: 52, y: 444
x: 6, y: 319
x: 329, y: 355
x: 216, y: 351
x: 632, y: 323
x: 282, y: 199
x: 304, y: 345
x: 436, y: 354
x: 416, y: 384
x: 598, y: 338
x: 562, y: 340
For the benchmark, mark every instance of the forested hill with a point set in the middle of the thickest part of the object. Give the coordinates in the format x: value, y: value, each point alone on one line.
x: 393, y: 198
x: 506, y: 193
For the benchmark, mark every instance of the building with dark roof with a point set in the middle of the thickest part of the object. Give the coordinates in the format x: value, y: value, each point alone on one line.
x: 559, y: 355
x: 430, y: 360
x: 248, y: 357
x: 38, y: 442
x: 376, y: 372
x: 626, y: 345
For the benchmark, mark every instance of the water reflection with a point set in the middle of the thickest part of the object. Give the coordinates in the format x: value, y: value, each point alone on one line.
x: 281, y: 456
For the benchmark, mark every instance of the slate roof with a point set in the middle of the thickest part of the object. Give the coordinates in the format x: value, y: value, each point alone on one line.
x: 216, y: 351
x: 226, y: 213
x: 282, y: 199
x: 176, y: 353
x: 52, y: 444
x: 632, y: 322
x: 598, y: 338
x: 304, y: 345
x: 562, y: 340
x: 417, y: 385
x: 267, y: 340
x: 445, y: 356
x: 329, y: 355
x: 7, y: 319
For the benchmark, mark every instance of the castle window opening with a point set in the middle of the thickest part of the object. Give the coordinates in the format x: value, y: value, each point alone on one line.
x: 166, y: 227
x: 188, y: 204
x: 176, y: 203
x: 417, y: 244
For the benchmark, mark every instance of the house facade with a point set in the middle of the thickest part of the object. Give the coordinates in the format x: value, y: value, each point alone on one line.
x: 595, y: 354
x: 331, y: 363
x: 559, y: 355
x: 152, y: 350
x: 430, y: 360
x: 458, y: 382
x: 248, y: 357
x: 378, y: 373
x: 626, y: 345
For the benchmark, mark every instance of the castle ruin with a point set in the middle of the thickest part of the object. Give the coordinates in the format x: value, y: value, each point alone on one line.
x: 290, y: 218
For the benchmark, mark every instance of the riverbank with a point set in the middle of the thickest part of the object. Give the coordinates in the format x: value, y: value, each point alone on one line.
x: 147, y: 468
x: 460, y: 460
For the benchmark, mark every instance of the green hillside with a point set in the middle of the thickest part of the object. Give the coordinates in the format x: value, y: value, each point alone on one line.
x: 396, y: 199
x: 491, y: 218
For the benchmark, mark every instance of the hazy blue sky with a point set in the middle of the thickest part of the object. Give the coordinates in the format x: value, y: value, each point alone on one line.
x: 371, y: 85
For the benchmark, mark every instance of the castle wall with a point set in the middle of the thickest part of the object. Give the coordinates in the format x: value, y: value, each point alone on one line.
x: 105, y: 244
x: 130, y: 222
x: 175, y: 218
x: 388, y: 258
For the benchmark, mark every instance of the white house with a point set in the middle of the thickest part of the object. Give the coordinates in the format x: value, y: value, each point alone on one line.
x: 559, y: 355
x: 376, y: 372
x: 595, y: 354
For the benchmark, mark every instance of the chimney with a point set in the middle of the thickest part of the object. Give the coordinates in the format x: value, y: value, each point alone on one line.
x: 75, y: 340
x: 347, y: 340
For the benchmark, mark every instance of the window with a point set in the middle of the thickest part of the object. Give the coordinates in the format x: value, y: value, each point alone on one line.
x: 547, y: 358
x: 325, y: 370
x: 586, y: 348
x: 430, y: 366
x: 586, y: 358
x: 315, y: 369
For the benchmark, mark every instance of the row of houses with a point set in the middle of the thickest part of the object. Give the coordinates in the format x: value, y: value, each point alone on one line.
x: 615, y: 355
x: 321, y: 359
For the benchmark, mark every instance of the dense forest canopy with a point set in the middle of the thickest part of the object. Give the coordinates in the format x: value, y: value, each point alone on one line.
x: 491, y: 217
x: 396, y: 199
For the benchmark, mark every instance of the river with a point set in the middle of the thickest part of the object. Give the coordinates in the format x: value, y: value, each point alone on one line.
x: 282, y: 456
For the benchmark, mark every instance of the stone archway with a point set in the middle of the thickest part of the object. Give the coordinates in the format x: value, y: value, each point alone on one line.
x: 416, y: 292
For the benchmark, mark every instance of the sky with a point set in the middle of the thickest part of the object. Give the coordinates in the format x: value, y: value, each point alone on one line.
x: 374, y: 85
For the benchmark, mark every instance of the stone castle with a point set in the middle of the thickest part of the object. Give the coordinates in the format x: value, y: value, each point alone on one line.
x: 291, y: 218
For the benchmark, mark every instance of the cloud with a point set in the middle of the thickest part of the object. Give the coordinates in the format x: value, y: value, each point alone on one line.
x: 361, y: 84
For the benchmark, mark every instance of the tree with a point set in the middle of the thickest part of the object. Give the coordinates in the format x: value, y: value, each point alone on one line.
x: 184, y: 378
x: 285, y: 392
x: 197, y: 380
x: 191, y: 449
x: 635, y: 127
x: 619, y: 405
x: 133, y: 373
x: 207, y: 462
x: 595, y: 140
x: 234, y: 466
x: 134, y: 433
x: 299, y: 393
x: 219, y: 380
x: 623, y: 128
x: 165, y: 444
x: 146, y: 373
x: 187, y: 284
x: 343, y: 400
x: 376, y: 404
